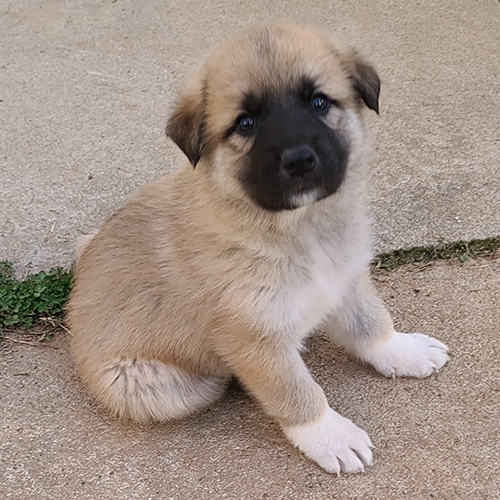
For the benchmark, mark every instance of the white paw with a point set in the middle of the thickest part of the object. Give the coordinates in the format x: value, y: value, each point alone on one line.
x: 334, y: 443
x: 408, y: 355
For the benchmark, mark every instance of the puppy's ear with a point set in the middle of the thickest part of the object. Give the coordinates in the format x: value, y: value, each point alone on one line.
x: 186, y: 125
x: 365, y: 80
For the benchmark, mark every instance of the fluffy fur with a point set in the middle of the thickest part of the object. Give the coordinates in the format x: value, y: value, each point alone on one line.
x: 210, y: 273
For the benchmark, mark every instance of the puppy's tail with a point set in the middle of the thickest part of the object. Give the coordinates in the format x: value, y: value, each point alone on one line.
x: 148, y: 390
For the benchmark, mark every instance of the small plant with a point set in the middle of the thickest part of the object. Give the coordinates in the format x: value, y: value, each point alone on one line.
x: 461, y: 250
x: 41, y: 294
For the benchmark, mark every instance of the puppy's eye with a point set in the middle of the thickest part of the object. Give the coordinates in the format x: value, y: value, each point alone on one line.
x: 245, y: 124
x: 320, y: 103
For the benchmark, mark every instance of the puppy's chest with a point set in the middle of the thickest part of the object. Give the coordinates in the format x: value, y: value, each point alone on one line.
x: 301, y: 290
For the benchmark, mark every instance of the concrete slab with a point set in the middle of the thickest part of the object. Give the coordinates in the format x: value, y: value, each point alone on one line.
x: 85, y: 88
x: 436, y: 438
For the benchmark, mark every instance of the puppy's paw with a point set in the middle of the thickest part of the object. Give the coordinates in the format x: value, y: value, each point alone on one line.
x: 408, y: 355
x: 334, y: 443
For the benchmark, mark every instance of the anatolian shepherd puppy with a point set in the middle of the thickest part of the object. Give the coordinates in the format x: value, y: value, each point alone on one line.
x: 224, y: 267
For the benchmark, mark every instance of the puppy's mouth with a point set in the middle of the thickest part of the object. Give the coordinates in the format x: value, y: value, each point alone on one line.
x: 306, y: 198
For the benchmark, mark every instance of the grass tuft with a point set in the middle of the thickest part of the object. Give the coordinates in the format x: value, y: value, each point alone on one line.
x: 24, y: 302
x: 461, y: 250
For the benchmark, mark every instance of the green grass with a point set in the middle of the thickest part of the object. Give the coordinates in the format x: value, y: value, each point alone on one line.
x: 461, y: 250
x: 23, y: 302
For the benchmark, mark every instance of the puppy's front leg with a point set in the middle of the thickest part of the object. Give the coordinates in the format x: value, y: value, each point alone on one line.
x: 364, y: 327
x: 275, y: 373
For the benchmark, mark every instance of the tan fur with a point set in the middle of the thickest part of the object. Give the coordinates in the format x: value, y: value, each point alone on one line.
x: 191, y: 282
x: 166, y: 277
x: 81, y: 245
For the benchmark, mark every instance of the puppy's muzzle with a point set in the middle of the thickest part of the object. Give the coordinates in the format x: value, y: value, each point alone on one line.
x: 299, y: 161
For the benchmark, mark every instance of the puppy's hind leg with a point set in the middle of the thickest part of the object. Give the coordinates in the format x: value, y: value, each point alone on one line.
x: 149, y: 390
x: 364, y: 327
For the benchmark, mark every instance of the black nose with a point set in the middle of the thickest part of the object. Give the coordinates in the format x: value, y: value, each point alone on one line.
x: 298, y: 161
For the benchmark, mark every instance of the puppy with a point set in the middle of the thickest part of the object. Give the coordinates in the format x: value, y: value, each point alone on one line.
x: 224, y: 267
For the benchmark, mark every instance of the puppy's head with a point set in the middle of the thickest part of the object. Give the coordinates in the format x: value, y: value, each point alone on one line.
x: 271, y: 116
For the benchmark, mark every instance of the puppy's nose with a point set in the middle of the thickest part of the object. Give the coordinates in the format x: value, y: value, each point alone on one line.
x: 298, y: 161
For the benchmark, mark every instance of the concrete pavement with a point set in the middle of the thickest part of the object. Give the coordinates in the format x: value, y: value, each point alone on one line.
x: 434, y: 439
x: 85, y: 89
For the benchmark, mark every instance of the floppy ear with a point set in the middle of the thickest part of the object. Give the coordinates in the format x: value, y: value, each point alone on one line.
x: 365, y: 80
x: 185, y: 126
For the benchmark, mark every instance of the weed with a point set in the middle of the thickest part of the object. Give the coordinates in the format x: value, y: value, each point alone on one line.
x: 461, y: 250
x: 23, y: 302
